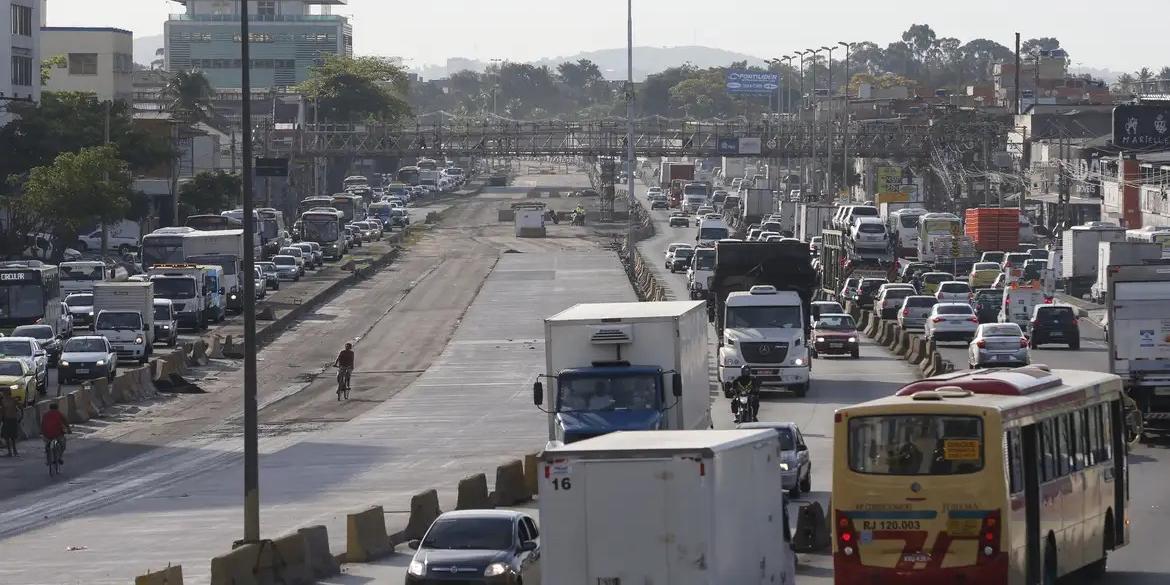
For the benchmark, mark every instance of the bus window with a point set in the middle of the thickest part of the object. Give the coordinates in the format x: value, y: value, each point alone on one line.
x: 1093, y: 435
x: 1106, y: 432
x: 916, y: 445
x: 1047, y: 452
x: 1015, y: 462
x: 1076, y: 440
x: 1060, y: 429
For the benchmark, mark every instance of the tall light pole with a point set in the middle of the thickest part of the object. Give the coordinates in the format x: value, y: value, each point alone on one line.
x: 800, y: 116
x: 832, y: 121
x: 787, y: 110
x: 845, y: 125
x: 251, y: 418
x: 630, y: 123
x: 813, y: 126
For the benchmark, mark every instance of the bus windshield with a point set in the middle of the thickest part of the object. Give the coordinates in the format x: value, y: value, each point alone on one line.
x: 22, y: 301
x: 320, y: 230
x: 162, y: 251
x: 713, y: 233
x: 607, y: 393
x: 916, y: 444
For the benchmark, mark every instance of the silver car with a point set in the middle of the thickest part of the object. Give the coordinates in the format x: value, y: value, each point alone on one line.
x: 795, y: 466
x: 998, y: 344
x: 29, y: 351
x: 915, y: 310
x: 889, y: 299
x: 954, y: 291
x: 949, y: 321
x: 287, y: 267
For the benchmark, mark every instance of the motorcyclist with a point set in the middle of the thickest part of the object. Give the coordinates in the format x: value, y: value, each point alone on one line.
x: 748, y: 385
x: 579, y: 215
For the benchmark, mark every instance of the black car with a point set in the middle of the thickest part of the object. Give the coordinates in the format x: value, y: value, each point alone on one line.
x: 867, y: 290
x: 477, y: 546
x: 988, y: 303
x: 44, y: 334
x: 1054, y: 324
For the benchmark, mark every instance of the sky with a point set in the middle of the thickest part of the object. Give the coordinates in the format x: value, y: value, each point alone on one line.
x: 1094, y: 33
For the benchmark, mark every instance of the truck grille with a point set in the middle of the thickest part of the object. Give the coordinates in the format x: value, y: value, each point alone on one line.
x: 764, y: 353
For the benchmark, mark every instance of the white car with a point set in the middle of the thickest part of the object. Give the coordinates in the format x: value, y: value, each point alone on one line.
x: 998, y: 345
x: 889, y: 299
x: 27, y: 350
x: 669, y: 254
x: 653, y: 192
x: 951, y: 321
x: 915, y: 310
x: 954, y: 291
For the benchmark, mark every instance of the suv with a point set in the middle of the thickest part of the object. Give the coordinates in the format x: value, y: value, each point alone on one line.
x: 849, y: 289
x: 866, y: 291
x: 987, y: 304
x: 889, y: 299
x: 931, y: 281
x: 1054, y: 324
x: 915, y: 311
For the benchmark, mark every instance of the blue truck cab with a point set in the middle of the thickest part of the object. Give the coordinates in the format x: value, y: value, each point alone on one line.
x: 608, y: 397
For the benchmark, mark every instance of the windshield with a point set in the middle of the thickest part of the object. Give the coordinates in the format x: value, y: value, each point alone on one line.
x: 871, y: 228
x: 1002, y: 330
x: 713, y: 233
x: 936, y: 277
x: 836, y: 322
x: 898, y: 293
x: 470, y: 534
x: 1018, y: 259
x: 116, y: 321
x: 82, y: 272
x: 15, y: 348
x: 284, y: 260
x: 864, y: 211
x: 269, y: 228
x: 79, y: 300
x: 909, y: 221
x: 985, y: 266
x: 921, y: 301
x: 320, y: 230
x: 761, y: 317
x: 21, y: 301
x: 684, y: 254
x: 915, y: 444
x: 162, y: 313
x: 34, y: 331
x: 700, y: 190
x: 228, y: 263
x: 996, y: 257
x: 85, y: 345
x: 174, y: 288
x: 870, y: 284
x: 705, y: 259
x: 638, y: 392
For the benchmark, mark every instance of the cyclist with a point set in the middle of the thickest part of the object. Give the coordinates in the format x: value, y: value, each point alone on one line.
x: 344, y: 364
x: 54, y: 426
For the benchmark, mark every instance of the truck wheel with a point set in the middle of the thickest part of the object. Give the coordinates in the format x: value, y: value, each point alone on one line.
x: 800, y: 390
x: 855, y: 354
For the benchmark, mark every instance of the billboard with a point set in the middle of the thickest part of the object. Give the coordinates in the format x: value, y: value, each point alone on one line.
x: 733, y: 146
x: 1142, y: 127
x: 743, y: 82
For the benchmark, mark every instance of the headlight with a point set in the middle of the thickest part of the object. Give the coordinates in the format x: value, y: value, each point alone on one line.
x: 416, y: 568
x: 233, y: 296
x: 64, y: 363
x: 852, y: 340
x: 783, y: 466
x: 14, y: 387
x: 798, y: 362
x: 101, y: 362
x: 138, y: 340
x: 166, y: 326
x: 91, y: 313
x: 495, y: 569
x: 820, y: 340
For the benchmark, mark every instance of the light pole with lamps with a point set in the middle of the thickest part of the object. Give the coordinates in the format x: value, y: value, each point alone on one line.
x: 845, y: 125
x: 787, y: 59
x: 832, y: 120
x: 812, y: 146
x: 630, y: 124
x: 800, y: 116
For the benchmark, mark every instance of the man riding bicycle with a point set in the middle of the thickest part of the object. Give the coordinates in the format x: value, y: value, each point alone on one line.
x: 344, y: 364
x: 54, y: 426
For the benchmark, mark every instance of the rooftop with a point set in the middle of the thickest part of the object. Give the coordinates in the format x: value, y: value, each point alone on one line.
x: 108, y: 29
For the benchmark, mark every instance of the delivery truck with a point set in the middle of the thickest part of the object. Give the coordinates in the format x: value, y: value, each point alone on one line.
x: 667, y: 508
x: 811, y: 218
x: 223, y: 248
x: 1079, y: 254
x: 1124, y: 253
x: 124, y: 314
x: 1138, y: 334
x: 625, y: 366
x: 756, y: 204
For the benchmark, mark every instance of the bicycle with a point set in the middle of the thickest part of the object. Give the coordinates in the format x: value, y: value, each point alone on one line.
x: 54, y: 449
x: 343, y: 375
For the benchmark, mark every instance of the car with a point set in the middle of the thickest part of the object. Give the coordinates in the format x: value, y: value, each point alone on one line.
x: 835, y: 334
x: 704, y: 210
x: 1053, y: 323
x: 1034, y: 270
x: 372, y: 229
x: 951, y: 321
x: 996, y: 257
x: 681, y: 259
x: 287, y: 267
x: 998, y: 345
x: 1013, y: 265
x: 659, y: 202
x: 307, y: 253
x: 19, y: 379
x: 259, y: 283
x: 889, y: 299
x: 1001, y: 281
x: 666, y: 256
x: 478, y: 546
x: 795, y: 465
x: 81, y: 307
x: 915, y: 310
x: 679, y: 219
x: 271, y: 275
x: 849, y: 289
x: 399, y: 218
x: 318, y: 253
x: 931, y: 280
x: 653, y: 192
x: 954, y: 291
x: 988, y: 302
x: 48, y: 339
x: 353, y: 238
x: 166, y: 322
x: 298, y: 254
x: 87, y: 357
x: 814, y: 245
x: 754, y: 234
x: 818, y: 308
x: 65, y: 322
x: 983, y: 274
x: 763, y: 236
x: 867, y: 289
x: 34, y: 356
x: 911, y: 271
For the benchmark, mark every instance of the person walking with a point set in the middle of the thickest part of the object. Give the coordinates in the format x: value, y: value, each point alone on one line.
x: 10, y: 415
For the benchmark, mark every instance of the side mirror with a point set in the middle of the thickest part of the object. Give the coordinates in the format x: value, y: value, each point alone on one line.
x: 528, y: 546
x: 538, y: 393
x: 676, y: 384
x: 414, y: 544
x: 802, y: 447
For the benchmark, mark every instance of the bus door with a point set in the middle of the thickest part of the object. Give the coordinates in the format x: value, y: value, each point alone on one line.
x: 1116, y: 435
x: 1031, y: 446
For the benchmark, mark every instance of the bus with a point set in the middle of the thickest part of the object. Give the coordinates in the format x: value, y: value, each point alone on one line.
x: 274, y: 232
x: 397, y: 190
x: 381, y: 210
x: 259, y: 241
x: 351, y: 206
x: 408, y: 176
x: 315, y: 201
x: 1157, y: 235
x: 354, y: 181
x: 210, y: 222
x: 996, y: 476
x: 164, y: 246
x: 427, y: 164
x: 902, y: 225
x: 325, y: 226
x: 30, y: 294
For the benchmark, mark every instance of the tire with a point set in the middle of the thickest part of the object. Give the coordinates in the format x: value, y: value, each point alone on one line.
x: 855, y: 354
x: 801, y: 391
x: 1049, y: 569
x: 1096, y: 570
x: 806, y: 483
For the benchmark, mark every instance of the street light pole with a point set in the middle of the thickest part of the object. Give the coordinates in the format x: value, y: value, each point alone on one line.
x: 787, y: 111
x: 630, y: 124
x: 845, y: 126
x: 251, y: 419
x: 813, y: 136
x: 832, y: 121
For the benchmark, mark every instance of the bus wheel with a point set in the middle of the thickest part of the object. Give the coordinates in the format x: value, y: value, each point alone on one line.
x: 1096, y: 570
x: 1048, y: 570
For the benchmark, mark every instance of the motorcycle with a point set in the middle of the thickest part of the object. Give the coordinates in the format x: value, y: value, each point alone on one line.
x: 741, y: 408
x: 578, y: 218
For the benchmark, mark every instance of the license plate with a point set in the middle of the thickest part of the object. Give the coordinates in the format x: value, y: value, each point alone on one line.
x: 1057, y: 334
x: 963, y: 526
x: 766, y: 372
x: 82, y: 370
x: 836, y: 345
x: 1162, y: 391
x: 1000, y: 358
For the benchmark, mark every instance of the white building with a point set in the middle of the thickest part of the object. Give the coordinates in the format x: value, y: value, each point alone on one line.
x: 97, y: 60
x: 20, y: 58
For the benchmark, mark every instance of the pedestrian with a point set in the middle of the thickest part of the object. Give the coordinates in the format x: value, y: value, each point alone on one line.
x: 10, y: 415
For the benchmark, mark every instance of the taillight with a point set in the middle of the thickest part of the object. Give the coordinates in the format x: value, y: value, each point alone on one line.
x: 937, y: 320
x: 905, y: 312
x: 1076, y: 321
x: 981, y: 343
x: 1034, y: 322
x: 1048, y: 300
x: 989, y: 538
x: 973, y: 319
x: 846, y: 537
x: 1023, y: 342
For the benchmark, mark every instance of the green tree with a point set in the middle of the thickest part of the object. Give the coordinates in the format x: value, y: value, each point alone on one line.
x: 48, y: 65
x: 209, y: 192
x: 76, y: 190
x: 350, y: 89
x: 188, y: 96
x: 1032, y: 46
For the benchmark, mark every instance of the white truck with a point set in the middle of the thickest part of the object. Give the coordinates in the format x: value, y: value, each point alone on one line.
x: 700, y: 271
x: 185, y: 285
x: 764, y: 328
x: 125, y: 316
x: 1019, y: 300
x: 756, y: 204
x: 811, y: 218
x: 1079, y: 254
x: 736, y: 167
x: 1124, y: 253
x: 625, y: 366
x: 1138, y: 321
x: 80, y: 275
x: 528, y: 219
x: 223, y: 248
x: 712, y: 230
x: 667, y: 508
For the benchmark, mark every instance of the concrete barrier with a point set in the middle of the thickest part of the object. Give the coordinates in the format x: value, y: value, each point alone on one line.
x: 72, y: 410
x: 365, y: 536
x: 902, y: 348
x: 812, y: 533
x: 231, y: 349
x: 172, y: 362
x: 215, y: 346
x: 473, y: 493
x: 248, y: 564
x: 266, y: 314
x: 172, y: 575
x: 319, y: 559
x: 917, y: 349
x: 933, y: 366
x: 102, y: 398
x: 510, y: 486
x: 290, y: 561
x: 85, y: 402
x: 30, y: 423
x: 532, y: 473
x: 198, y: 356
x: 424, y: 508
x: 874, y: 326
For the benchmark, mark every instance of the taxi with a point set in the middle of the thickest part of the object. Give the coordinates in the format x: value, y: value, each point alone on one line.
x: 983, y: 275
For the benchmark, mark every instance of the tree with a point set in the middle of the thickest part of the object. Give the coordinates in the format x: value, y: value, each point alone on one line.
x: 209, y: 192
x: 76, y: 190
x: 351, y: 89
x: 1032, y: 46
x: 1125, y: 83
x: 188, y: 96
x: 1164, y: 80
x: 49, y: 64
x: 654, y: 95
x: 1145, y: 79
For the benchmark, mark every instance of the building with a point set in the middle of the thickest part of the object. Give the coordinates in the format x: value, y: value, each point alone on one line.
x: 97, y: 60
x: 287, y: 38
x: 1044, y: 79
x: 20, y: 55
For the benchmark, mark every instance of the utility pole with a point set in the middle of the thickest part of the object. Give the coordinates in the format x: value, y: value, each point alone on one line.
x: 106, y: 178
x: 845, y: 127
x: 832, y: 123
x: 251, y: 414
x: 812, y: 145
x: 630, y: 124
x: 1017, y: 108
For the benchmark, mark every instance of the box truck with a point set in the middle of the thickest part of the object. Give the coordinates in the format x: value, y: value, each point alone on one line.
x: 1079, y: 254
x: 812, y: 218
x: 625, y: 366
x: 125, y: 316
x: 223, y: 248
x: 756, y: 204
x: 1124, y: 253
x: 1138, y: 335
x: 666, y: 507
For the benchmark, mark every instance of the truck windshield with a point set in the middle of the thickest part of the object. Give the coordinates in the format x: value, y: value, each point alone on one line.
x: 79, y: 300
x: 162, y: 313
x: 21, y: 301
x: 174, y: 288
x: 131, y: 321
x: 760, y: 317
x: 713, y: 233
x: 638, y: 392
x: 81, y: 272
x: 909, y: 221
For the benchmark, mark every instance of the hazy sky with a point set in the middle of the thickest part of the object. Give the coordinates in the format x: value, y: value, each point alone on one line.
x: 1120, y: 36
